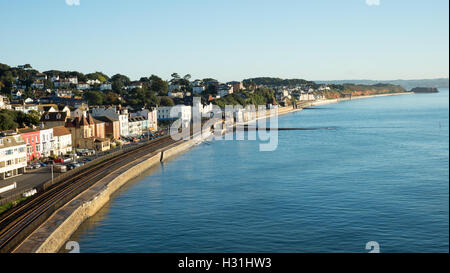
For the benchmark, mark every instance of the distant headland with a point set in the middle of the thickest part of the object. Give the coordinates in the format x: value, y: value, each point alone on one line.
x: 424, y: 90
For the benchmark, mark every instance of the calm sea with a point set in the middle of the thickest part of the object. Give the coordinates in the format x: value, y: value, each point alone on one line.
x: 381, y: 175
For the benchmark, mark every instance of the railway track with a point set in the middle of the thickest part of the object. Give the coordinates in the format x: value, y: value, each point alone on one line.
x: 18, y: 223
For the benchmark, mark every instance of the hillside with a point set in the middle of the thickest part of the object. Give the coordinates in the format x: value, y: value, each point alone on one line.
x: 407, y: 84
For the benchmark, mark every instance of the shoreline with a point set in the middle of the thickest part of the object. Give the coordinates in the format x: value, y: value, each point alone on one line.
x: 59, y: 227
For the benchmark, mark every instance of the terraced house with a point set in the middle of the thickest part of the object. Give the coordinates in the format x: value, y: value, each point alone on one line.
x: 62, y: 141
x: 46, y: 144
x: 84, y: 135
x: 32, y: 138
x: 13, y: 156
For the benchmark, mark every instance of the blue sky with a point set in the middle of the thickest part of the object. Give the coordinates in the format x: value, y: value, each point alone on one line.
x: 230, y: 39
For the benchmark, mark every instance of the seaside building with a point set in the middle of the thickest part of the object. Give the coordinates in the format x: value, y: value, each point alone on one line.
x: 32, y: 138
x: 46, y: 141
x: 182, y: 112
x: 224, y: 89
x: 237, y: 86
x: 114, y: 112
x: 62, y: 141
x: 83, y: 131
x: 135, y: 126
x: 53, y: 119
x: 106, y: 86
x: 112, y: 127
x: 13, y: 156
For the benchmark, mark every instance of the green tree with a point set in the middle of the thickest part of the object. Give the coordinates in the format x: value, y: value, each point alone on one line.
x: 118, y: 82
x: 166, y: 101
x: 94, y: 97
x: 158, y: 85
x: 7, y: 122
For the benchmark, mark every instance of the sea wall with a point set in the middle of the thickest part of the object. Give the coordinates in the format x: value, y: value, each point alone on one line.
x: 172, y: 151
x: 54, y: 233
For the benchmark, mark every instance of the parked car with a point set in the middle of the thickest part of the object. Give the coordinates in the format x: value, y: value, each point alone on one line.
x: 60, y: 168
x: 70, y: 166
x: 49, y: 162
x: 35, y: 165
x: 58, y: 160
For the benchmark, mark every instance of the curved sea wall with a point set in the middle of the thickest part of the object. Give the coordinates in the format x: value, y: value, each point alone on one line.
x: 55, y: 232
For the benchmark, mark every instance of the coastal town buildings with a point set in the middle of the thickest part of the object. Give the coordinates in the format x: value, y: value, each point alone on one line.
x: 112, y: 127
x: 224, y: 89
x: 53, y: 119
x: 62, y: 141
x: 170, y: 113
x: 115, y: 112
x: 32, y: 138
x: 135, y: 126
x: 151, y: 115
x: 46, y: 141
x: 83, y: 86
x: 13, y: 156
x: 83, y: 132
x: 63, y: 93
x: 106, y: 86
x: 3, y: 102
x: 237, y: 86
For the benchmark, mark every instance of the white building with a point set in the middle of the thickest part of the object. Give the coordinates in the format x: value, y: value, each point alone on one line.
x: 307, y: 96
x: 62, y: 141
x: 182, y: 112
x: 73, y: 80
x: 150, y: 115
x: 13, y: 156
x: 46, y: 145
x: 25, y: 108
x: 64, y: 93
x: 113, y: 112
x: 134, y: 85
x: 83, y: 86
x: 224, y: 89
x: 176, y: 95
x: 92, y: 82
x: 16, y: 94
x: 38, y: 84
x: 2, y: 102
x: 134, y: 127
x: 63, y: 83
x: 106, y: 86
x: 79, y: 112
x: 54, y: 78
